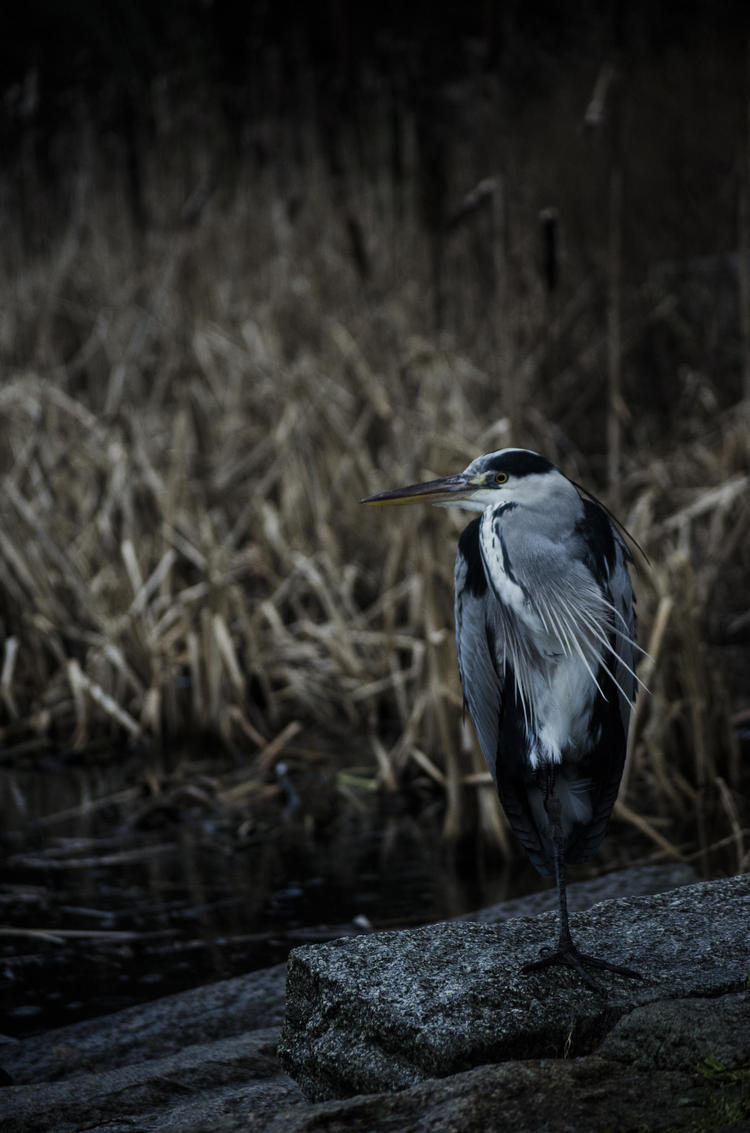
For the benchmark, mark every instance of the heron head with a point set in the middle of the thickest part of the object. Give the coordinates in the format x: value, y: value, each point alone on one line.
x: 515, y: 474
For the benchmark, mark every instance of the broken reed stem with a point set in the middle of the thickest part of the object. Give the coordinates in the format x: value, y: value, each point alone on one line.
x: 641, y: 823
x: 730, y: 807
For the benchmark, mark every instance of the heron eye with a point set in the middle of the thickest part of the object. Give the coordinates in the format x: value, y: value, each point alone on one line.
x: 501, y: 477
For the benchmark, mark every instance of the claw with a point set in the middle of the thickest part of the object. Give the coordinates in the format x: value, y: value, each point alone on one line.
x: 568, y: 954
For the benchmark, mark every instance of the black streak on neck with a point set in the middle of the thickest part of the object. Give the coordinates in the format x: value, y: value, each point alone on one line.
x: 468, y: 547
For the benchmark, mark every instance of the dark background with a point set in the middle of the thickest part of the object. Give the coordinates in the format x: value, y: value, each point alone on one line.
x: 260, y: 261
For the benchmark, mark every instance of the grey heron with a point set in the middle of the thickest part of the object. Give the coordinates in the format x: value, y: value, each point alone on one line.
x: 545, y: 633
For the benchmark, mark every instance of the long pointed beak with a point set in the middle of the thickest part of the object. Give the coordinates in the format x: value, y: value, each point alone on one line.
x: 447, y: 490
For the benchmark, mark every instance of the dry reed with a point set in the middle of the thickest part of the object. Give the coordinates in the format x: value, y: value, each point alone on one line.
x: 190, y: 417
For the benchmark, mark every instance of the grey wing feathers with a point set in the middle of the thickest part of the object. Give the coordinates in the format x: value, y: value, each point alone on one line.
x: 611, y: 751
x: 581, y: 592
x: 483, y: 688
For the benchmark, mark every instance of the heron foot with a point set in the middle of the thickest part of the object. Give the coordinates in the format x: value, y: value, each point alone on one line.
x: 566, y: 953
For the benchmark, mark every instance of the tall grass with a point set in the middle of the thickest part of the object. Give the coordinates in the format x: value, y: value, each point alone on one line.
x: 191, y: 413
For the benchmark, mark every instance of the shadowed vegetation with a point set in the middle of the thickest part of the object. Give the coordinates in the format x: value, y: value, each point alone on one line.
x: 198, y: 390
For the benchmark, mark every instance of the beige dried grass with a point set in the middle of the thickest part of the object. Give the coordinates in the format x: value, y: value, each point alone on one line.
x: 182, y: 552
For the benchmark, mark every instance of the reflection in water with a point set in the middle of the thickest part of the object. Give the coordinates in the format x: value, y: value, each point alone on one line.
x: 117, y: 893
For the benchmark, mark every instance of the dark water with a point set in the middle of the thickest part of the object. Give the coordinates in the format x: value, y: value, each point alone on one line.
x: 143, y: 898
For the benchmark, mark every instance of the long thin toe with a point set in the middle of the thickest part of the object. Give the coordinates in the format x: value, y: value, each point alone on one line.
x: 569, y: 956
x: 597, y: 962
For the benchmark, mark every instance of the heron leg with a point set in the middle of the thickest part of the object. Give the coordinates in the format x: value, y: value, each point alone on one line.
x: 566, y: 952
